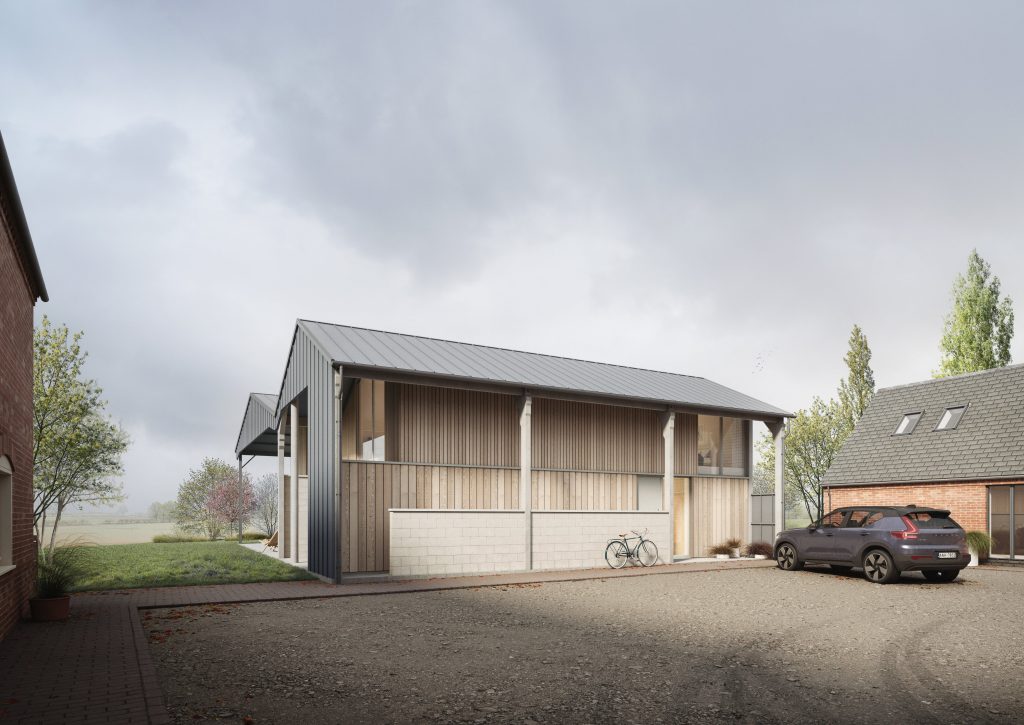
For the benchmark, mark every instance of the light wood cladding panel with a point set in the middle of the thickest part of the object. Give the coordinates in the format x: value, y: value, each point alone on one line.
x: 370, y: 489
x: 451, y: 427
x: 721, y: 510
x: 685, y: 446
x: 583, y: 491
x: 587, y: 437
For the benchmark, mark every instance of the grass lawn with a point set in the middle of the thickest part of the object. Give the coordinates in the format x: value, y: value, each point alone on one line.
x: 129, y: 566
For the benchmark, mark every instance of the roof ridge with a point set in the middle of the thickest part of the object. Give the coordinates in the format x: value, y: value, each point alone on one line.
x: 505, y: 349
x: 975, y: 373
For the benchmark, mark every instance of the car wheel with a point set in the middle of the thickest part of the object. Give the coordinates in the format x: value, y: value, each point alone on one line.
x: 787, y: 559
x: 879, y: 567
x: 840, y: 568
x: 941, y: 575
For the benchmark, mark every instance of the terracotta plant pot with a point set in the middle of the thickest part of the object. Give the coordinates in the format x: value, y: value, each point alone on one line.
x: 55, y: 609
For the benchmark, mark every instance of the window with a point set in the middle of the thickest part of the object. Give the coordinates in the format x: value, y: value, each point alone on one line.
x: 858, y: 519
x: 723, y: 446
x: 6, y: 521
x: 362, y: 423
x: 907, y: 424
x: 932, y: 520
x: 951, y: 418
x: 833, y: 521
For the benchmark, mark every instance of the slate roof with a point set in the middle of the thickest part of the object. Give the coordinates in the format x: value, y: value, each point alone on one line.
x: 987, y: 444
x: 22, y: 236
x: 458, y: 360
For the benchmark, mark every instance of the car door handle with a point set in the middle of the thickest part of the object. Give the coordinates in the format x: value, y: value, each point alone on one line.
x: 863, y: 533
x: 829, y: 534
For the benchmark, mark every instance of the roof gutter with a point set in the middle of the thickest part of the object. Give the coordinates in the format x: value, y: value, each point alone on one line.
x: 21, y: 231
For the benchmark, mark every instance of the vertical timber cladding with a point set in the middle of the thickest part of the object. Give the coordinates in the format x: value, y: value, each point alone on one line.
x: 310, y: 374
x: 371, y: 489
x: 721, y: 510
x: 685, y: 447
x: 586, y: 456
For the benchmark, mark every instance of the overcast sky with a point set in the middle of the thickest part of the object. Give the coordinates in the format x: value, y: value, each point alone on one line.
x: 719, y: 189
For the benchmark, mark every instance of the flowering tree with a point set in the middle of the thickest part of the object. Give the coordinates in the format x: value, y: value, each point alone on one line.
x: 232, y: 499
x: 208, y: 500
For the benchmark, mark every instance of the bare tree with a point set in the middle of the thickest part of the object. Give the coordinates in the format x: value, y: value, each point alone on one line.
x: 265, y: 509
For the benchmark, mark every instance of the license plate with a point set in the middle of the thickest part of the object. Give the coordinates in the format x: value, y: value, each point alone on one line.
x: 947, y: 554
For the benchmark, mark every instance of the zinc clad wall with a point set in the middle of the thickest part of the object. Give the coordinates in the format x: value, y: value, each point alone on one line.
x: 257, y: 420
x: 310, y: 372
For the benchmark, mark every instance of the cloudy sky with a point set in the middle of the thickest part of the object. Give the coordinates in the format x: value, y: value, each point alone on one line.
x: 720, y: 189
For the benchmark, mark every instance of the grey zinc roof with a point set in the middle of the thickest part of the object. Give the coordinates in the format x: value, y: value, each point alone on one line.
x: 443, y: 358
x: 257, y: 435
x: 988, y: 443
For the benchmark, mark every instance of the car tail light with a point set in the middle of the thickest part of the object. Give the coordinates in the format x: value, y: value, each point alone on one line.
x: 910, y: 532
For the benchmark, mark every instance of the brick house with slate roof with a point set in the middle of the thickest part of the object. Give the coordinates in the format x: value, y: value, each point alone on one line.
x: 21, y: 284
x: 955, y: 443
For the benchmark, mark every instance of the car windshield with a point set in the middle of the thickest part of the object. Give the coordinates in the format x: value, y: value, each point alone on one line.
x: 932, y: 520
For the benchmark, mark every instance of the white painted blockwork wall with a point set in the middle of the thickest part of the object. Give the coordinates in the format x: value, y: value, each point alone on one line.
x: 577, y: 539
x: 432, y: 542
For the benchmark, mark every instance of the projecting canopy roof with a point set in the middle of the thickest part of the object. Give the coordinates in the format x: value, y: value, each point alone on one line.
x: 258, y: 436
x: 983, y: 441
x: 361, y: 348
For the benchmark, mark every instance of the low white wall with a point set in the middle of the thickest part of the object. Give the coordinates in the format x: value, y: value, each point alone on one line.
x: 577, y: 539
x: 433, y: 542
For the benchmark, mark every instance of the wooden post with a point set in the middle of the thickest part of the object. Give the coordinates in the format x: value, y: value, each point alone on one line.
x: 525, y: 474
x: 293, y: 420
x: 668, y: 492
x: 280, y: 489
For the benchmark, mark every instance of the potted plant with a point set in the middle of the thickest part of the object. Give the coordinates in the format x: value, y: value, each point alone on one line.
x: 980, y: 544
x: 759, y: 550
x: 57, y: 574
x: 734, y: 545
x: 720, y: 551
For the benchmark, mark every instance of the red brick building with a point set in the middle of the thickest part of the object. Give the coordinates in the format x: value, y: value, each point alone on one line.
x: 21, y: 284
x: 955, y: 443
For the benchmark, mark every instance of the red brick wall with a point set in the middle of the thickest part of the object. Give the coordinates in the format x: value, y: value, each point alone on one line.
x: 967, y: 502
x: 16, y: 302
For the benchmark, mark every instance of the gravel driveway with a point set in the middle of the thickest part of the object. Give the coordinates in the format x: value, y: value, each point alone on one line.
x: 750, y: 646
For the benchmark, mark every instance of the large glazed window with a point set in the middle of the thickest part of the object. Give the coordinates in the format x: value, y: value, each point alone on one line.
x: 999, y: 519
x: 722, y: 446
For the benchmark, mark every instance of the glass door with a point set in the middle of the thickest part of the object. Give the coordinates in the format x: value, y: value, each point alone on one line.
x: 1000, y: 518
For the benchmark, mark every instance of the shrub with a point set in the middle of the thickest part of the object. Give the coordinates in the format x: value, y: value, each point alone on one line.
x: 980, y: 542
x: 177, y: 539
x: 59, y: 572
x: 720, y: 549
x: 253, y: 536
x: 759, y: 547
x: 734, y: 543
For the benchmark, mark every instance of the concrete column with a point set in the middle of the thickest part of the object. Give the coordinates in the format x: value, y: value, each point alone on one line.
x: 280, y: 489
x: 668, y: 433
x: 779, y: 432
x: 525, y: 475
x: 241, y: 490
x: 293, y: 419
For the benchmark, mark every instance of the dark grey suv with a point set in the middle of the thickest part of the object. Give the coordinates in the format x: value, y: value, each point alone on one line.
x: 883, y: 540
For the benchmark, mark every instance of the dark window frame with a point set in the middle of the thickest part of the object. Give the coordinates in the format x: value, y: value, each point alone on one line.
x: 911, y: 426
x: 963, y: 411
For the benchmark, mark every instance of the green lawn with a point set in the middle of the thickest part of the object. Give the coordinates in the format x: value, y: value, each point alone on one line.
x: 129, y: 566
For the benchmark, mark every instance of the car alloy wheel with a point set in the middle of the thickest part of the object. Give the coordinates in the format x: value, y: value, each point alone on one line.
x: 878, y: 567
x: 785, y: 556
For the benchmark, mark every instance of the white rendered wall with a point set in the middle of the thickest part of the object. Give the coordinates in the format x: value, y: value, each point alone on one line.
x: 434, y: 542
x: 437, y: 542
x: 577, y: 539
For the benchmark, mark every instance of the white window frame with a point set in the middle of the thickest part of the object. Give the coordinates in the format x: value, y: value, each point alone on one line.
x: 908, y: 421
x: 947, y: 415
x: 6, y: 515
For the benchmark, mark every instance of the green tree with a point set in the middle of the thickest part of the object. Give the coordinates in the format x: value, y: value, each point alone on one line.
x: 162, y: 511
x: 197, y: 509
x: 979, y: 329
x: 77, y: 449
x: 856, y: 389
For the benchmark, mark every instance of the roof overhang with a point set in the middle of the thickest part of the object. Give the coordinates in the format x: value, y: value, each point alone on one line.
x: 258, y: 434
x: 22, y: 236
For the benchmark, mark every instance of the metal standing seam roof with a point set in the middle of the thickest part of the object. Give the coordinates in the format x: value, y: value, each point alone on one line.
x: 392, y: 351
x: 258, y: 423
x: 988, y: 444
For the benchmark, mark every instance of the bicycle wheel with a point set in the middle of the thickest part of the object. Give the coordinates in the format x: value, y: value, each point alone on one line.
x: 647, y: 553
x: 616, y: 554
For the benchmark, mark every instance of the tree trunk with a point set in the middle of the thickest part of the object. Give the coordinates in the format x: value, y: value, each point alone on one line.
x: 53, y: 531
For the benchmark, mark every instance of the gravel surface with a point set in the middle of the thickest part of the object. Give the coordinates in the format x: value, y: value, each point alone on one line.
x: 750, y: 646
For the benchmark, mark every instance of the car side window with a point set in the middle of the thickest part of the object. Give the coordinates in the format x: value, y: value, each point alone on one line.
x: 858, y: 519
x: 873, y: 519
x: 834, y: 520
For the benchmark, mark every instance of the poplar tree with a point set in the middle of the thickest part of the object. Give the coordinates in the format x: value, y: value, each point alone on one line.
x: 979, y: 329
x: 856, y: 389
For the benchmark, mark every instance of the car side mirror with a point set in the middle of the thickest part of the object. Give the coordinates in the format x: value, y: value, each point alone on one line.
x: 812, y: 527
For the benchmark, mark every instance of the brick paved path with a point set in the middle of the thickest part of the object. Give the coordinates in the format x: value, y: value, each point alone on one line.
x: 96, y: 667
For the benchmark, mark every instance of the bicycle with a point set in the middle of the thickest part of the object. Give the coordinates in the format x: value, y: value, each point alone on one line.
x: 618, y: 551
